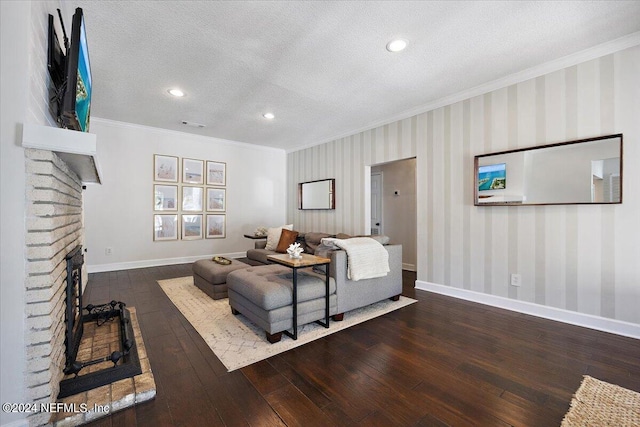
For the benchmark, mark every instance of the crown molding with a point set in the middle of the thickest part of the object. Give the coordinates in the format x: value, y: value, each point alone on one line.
x: 589, y: 54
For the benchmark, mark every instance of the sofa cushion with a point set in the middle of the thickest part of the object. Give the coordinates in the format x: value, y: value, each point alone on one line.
x: 312, y: 240
x: 324, y: 251
x: 287, y: 238
x: 273, y: 236
x: 215, y: 273
x: 260, y: 255
x: 380, y: 238
x: 269, y: 286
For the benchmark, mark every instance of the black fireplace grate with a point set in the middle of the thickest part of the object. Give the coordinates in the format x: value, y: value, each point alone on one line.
x: 126, y: 362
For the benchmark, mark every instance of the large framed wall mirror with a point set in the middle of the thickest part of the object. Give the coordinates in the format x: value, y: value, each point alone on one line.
x: 587, y: 171
x: 317, y: 194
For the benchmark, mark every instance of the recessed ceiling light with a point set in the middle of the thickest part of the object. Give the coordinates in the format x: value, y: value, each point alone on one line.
x: 176, y: 92
x: 269, y: 116
x: 396, y: 45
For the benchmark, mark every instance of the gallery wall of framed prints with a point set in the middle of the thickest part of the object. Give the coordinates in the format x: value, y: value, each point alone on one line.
x: 189, y: 198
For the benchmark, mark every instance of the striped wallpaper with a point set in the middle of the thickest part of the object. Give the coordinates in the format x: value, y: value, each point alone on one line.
x: 583, y: 258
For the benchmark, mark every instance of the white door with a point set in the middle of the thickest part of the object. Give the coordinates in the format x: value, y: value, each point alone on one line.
x: 376, y: 203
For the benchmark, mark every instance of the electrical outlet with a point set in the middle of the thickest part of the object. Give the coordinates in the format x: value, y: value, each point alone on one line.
x: 515, y: 279
x: 108, y: 251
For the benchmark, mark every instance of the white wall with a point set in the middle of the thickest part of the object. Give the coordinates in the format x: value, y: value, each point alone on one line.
x: 24, y: 81
x: 579, y: 259
x: 119, y: 213
x: 14, y: 63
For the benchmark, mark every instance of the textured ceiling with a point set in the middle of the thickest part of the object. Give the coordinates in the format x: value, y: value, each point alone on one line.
x: 320, y: 66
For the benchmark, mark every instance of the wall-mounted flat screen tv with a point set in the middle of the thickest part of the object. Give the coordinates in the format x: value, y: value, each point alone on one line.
x: 76, y: 102
x: 492, y: 177
x: 70, y: 71
x: 56, y: 58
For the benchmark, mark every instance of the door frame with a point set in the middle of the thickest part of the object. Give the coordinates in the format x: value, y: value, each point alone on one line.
x: 381, y: 217
x: 366, y: 179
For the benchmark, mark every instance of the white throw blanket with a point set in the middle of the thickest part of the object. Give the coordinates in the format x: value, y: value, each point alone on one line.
x: 366, y: 257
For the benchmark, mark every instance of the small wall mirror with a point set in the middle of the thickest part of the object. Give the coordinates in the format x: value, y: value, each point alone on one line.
x: 317, y: 194
x: 587, y: 171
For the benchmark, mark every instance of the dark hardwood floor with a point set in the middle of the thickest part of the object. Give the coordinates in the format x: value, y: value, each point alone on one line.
x: 438, y: 362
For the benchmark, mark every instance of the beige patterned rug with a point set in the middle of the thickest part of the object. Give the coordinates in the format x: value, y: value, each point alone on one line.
x: 236, y: 341
x: 597, y: 403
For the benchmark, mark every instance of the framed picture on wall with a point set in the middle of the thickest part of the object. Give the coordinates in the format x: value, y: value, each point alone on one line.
x: 191, y: 227
x: 216, y: 199
x: 216, y: 226
x: 192, y: 171
x: 192, y: 199
x: 165, y: 227
x: 165, y: 168
x: 165, y: 197
x: 216, y: 173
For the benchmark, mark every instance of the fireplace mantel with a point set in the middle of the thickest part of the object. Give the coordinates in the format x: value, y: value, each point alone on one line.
x: 77, y: 149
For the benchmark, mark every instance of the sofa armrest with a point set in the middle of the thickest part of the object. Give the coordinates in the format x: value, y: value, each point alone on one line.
x: 260, y: 244
x: 354, y: 294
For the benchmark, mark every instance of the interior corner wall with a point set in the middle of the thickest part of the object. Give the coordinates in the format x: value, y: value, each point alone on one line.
x: 582, y: 258
x: 14, y: 69
x: 119, y: 213
x: 24, y: 99
x: 345, y: 160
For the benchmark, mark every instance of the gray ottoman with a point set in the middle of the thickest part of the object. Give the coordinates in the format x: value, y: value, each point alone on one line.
x: 264, y: 295
x: 211, y: 277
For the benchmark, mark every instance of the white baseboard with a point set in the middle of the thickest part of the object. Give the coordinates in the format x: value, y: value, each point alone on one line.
x: 561, y: 315
x: 407, y: 266
x: 101, y: 268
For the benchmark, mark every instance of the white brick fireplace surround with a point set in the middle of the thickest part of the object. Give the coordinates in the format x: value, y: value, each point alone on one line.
x: 54, y: 227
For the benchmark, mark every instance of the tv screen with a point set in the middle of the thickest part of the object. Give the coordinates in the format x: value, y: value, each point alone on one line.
x: 492, y: 177
x: 76, y: 104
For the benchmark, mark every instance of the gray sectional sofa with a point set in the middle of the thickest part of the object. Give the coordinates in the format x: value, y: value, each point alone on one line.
x: 355, y: 294
x: 346, y: 294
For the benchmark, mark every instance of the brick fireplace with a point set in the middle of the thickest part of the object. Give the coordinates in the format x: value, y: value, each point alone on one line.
x: 54, y: 230
x: 54, y: 227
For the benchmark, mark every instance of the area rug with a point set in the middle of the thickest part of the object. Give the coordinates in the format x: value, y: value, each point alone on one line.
x: 236, y: 341
x: 597, y: 403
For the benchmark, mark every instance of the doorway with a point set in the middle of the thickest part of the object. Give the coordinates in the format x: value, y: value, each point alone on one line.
x: 394, y: 206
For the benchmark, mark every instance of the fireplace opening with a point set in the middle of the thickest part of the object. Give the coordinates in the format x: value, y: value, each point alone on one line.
x: 73, y: 311
x: 109, y: 353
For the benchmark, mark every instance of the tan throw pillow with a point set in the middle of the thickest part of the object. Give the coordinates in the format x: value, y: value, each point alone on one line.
x: 286, y: 238
x: 273, y: 236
